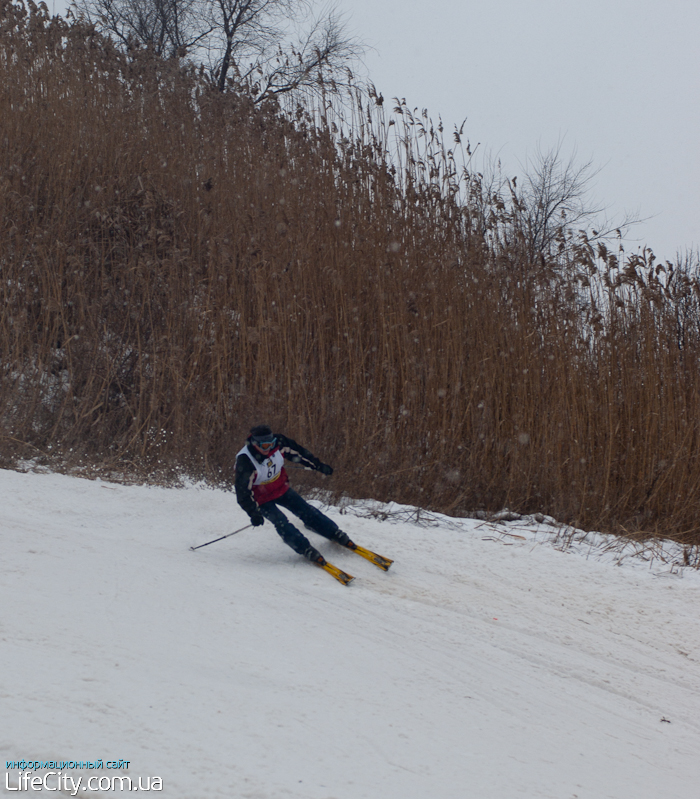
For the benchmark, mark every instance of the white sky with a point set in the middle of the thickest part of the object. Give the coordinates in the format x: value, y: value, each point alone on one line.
x: 617, y: 80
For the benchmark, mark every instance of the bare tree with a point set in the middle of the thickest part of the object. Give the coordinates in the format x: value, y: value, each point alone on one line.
x: 553, y: 199
x: 268, y: 46
x: 549, y: 214
x: 170, y: 27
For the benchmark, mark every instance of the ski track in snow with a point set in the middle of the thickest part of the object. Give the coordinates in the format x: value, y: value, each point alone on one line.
x: 471, y: 669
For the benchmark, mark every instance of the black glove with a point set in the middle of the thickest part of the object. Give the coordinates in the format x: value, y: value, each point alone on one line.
x: 324, y: 468
x: 257, y: 519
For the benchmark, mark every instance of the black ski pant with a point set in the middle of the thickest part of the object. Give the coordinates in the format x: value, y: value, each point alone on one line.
x: 312, y: 518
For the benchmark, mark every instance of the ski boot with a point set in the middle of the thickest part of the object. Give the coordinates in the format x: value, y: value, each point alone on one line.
x: 312, y: 554
x: 344, y: 540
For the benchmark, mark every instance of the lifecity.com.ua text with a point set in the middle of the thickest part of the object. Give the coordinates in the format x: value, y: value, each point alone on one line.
x: 67, y: 783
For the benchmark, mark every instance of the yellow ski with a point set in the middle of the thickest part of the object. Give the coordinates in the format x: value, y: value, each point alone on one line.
x: 339, y: 575
x: 378, y: 560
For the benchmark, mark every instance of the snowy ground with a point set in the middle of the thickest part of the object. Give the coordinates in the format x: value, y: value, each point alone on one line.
x: 487, y: 664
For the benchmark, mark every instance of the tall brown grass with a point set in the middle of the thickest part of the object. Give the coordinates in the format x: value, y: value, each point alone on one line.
x: 178, y: 264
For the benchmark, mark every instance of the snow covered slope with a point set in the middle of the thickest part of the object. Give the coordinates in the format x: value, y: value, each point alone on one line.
x: 471, y: 669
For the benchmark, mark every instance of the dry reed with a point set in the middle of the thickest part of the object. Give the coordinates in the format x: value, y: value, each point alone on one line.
x: 178, y: 265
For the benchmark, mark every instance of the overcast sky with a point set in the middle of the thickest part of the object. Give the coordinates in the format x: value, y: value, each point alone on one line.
x: 618, y: 81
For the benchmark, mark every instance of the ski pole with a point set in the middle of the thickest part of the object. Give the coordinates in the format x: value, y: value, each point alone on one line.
x: 221, y: 538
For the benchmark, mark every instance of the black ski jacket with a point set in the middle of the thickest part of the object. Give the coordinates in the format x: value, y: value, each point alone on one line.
x: 245, y: 471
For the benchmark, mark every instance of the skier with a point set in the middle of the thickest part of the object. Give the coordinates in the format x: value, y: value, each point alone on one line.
x: 262, y: 488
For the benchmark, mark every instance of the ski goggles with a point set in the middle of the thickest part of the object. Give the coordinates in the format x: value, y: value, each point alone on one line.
x: 264, y: 443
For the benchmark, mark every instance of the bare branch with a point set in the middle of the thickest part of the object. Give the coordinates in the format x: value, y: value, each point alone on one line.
x: 266, y: 47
